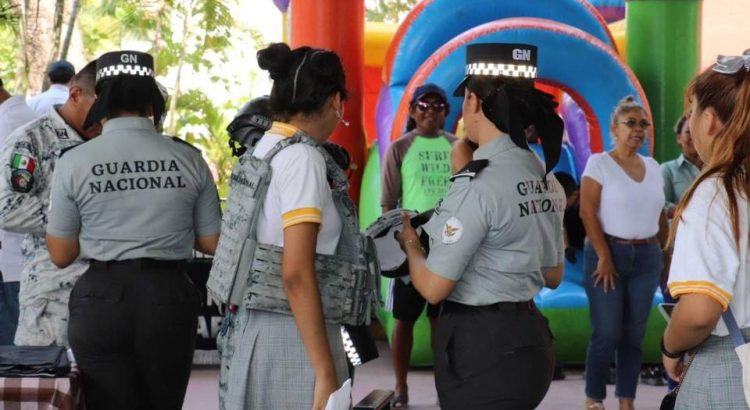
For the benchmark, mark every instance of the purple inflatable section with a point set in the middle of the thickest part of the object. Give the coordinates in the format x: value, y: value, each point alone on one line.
x: 577, y: 129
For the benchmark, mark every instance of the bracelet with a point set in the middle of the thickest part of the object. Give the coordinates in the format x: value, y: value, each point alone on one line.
x: 669, y: 354
x: 416, y: 244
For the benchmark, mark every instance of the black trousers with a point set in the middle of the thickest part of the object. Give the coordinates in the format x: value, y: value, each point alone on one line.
x: 132, y: 330
x: 492, y: 357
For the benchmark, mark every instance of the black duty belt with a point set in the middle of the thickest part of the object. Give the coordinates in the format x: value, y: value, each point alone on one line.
x: 455, y: 307
x: 140, y: 263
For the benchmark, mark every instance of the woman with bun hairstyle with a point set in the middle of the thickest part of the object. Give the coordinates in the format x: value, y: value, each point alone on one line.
x: 292, y: 360
x: 709, y: 271
x: 621, y: 207
x: 495, y: 240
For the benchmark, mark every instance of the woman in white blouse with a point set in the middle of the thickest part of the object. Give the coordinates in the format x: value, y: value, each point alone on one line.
x: 621, y: 207
x: 710, y: 262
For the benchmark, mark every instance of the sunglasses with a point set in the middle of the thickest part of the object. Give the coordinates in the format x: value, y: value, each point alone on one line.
x: 633, y: 123
x: 436, y: 106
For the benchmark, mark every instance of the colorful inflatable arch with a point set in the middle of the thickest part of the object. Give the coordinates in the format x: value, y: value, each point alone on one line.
x: 432, y: 23
x: 570, y: 59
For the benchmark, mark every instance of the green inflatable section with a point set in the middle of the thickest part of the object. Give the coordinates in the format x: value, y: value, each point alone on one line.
x: 369, y: 211
x: 571, y: 328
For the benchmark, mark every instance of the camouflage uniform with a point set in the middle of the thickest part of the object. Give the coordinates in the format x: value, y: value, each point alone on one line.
x: 28, y: 159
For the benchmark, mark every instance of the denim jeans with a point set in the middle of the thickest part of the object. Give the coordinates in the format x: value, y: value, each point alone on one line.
x: 619, y: 316
x: 8, y: 312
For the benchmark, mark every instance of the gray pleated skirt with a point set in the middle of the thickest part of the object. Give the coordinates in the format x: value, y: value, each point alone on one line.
x: 264, y: 364
x: 714, y: 379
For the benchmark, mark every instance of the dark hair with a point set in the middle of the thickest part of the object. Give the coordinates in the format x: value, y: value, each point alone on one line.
x: 680, y: 123
x: 303, y: 78
x: 60, y: 77
x: 134, y: 94
x: 86, y: 78
x: 567, y: 181
x: 1, y: 83
x: 729, y: 96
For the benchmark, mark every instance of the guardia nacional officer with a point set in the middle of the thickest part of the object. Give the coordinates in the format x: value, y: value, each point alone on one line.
x: 495, y: 240
x: 135, y: 204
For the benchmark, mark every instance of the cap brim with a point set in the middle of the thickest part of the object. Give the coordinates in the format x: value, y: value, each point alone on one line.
x: 459, y: 91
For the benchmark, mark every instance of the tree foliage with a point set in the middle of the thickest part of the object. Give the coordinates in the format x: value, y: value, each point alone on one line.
x: 389, y: 11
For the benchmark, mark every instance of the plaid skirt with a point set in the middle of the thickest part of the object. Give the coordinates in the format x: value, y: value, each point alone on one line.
x: 714, y: 379
x: 264, y: 364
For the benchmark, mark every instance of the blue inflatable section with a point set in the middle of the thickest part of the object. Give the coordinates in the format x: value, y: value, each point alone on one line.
x: 579, y: 63
x: 442, y: 20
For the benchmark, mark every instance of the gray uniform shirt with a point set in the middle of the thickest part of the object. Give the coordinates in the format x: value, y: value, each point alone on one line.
x: 495, y: 233
x: 133, y: 193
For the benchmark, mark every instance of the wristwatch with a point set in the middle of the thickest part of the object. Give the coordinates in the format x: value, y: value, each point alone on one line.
x: 669, y: 354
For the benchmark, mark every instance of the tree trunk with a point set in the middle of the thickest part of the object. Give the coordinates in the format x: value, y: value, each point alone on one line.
x: 57, y: 28
x: 37, y: 39
x: 172, y: 129
x: 74, y: 9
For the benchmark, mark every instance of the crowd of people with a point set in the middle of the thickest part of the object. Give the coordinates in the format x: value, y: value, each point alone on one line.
x: 95, y: 260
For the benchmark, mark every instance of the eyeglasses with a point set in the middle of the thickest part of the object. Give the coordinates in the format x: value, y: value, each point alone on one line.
x: 436, y: 106
x: 633, y: 123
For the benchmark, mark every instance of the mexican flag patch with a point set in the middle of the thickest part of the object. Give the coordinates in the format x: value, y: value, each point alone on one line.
x: 23, y: 162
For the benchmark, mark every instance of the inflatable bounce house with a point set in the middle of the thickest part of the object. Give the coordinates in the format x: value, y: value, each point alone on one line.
x: 582, y: 61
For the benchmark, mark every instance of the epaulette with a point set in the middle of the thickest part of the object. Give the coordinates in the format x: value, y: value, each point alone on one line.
x: 66, y: 149
x: 182, y: 141
x: 471, y: 169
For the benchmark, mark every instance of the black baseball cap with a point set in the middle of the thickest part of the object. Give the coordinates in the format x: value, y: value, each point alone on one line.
x: 427, y: 89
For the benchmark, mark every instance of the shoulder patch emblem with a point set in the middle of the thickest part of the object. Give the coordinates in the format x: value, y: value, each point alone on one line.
x: 471, y: 169
x: 22, y: 168
x: 452, y: 230
x: 62, y: 133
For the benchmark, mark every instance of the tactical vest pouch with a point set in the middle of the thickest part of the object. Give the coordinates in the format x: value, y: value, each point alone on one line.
x: 234, y: 254
x: 346, y: 290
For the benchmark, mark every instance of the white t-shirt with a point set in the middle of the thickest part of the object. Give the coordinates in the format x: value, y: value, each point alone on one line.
x: 706, y: 259
x: 298, y: 193
x: 627, y: 209
x: 56, y: 94
x: 14, y: 113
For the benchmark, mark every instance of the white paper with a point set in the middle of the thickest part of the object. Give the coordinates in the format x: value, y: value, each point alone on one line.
x: 341, y: 399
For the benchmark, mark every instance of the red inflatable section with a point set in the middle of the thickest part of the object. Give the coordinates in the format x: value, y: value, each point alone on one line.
x: 338, y: 25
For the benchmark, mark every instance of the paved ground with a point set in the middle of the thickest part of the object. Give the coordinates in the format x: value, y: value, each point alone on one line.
x: 563, y: 395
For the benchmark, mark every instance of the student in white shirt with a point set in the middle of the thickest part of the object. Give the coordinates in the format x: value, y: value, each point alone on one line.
x: 709, y: 271
x: 59, y: 74
x: 622, y: 199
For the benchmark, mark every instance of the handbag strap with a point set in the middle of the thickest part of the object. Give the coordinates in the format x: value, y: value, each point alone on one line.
x: 734, y: 330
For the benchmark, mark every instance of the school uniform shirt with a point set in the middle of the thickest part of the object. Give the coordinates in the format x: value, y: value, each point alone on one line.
x: 298, y: 192
x: 56, y: 94
x: 497, y: 232
x: 627, y: 209
x: 133, y: 193
x: 14, y: 113
x: 706, y: 259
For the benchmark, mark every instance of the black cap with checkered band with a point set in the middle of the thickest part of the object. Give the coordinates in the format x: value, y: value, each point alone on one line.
x: 118, y: 71
x: 499, y: 59
x: 502, y: 75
